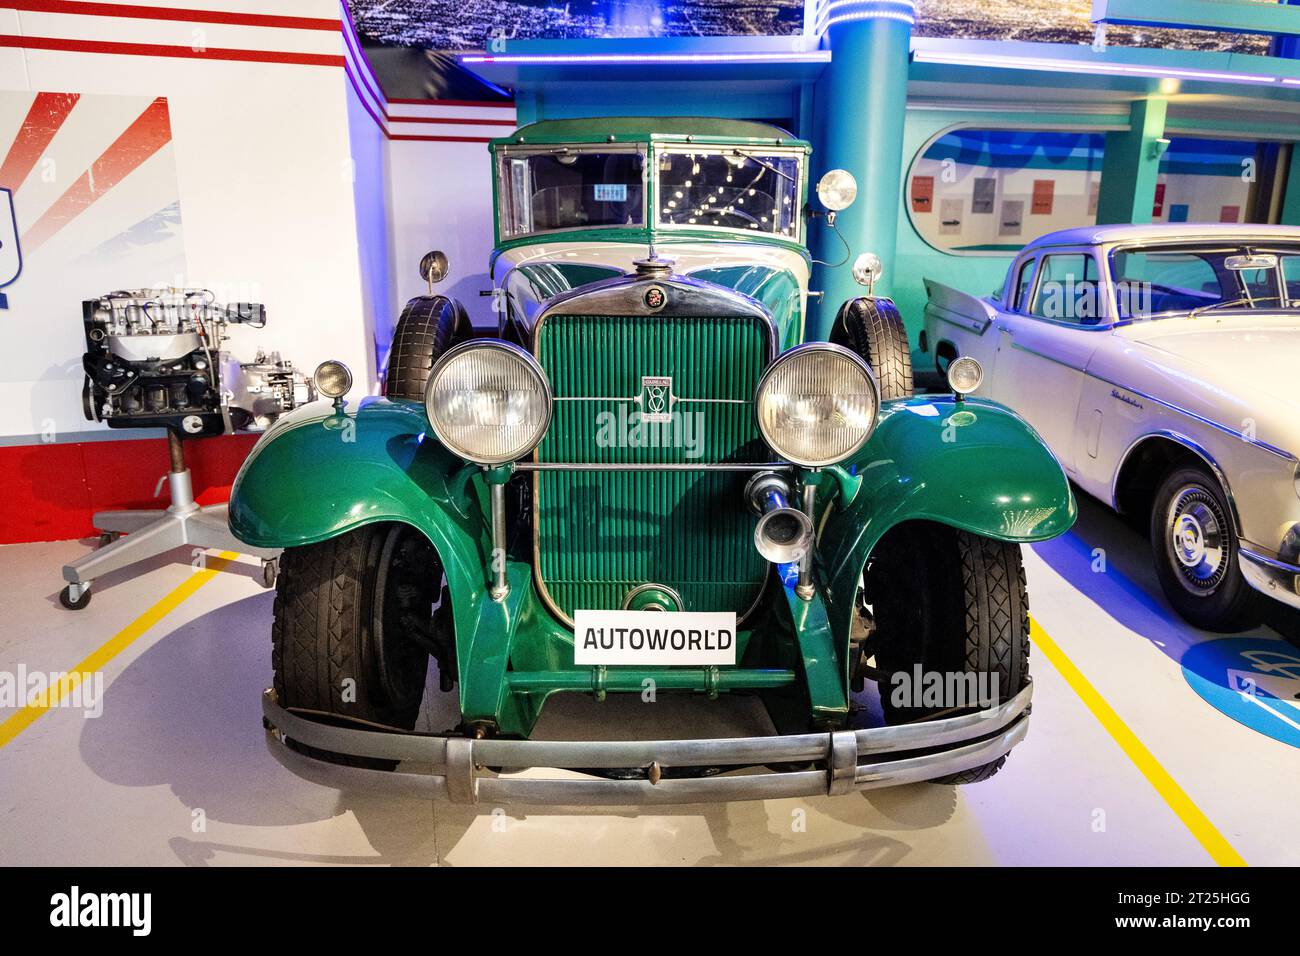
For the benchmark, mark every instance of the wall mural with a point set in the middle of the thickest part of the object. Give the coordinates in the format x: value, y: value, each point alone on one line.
x: 91, y: 182
x: 469, y: 24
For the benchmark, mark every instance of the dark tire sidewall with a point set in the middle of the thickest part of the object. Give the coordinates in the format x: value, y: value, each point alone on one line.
x: 1231, y: 605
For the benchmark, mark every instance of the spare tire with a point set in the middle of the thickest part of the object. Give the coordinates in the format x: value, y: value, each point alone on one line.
x: 427, y: 327
x: 873, y: 328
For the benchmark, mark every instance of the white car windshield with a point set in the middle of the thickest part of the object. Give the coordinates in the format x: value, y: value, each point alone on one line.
x: 1154, y: 282
x: 568, y: 187
x: 730, y: 188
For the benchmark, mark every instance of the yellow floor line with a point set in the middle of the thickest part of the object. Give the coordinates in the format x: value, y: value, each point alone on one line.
x: 1175, y: 796
x: 119, y: 642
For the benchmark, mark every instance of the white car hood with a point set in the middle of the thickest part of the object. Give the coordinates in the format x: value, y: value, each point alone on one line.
x: 1248, y: 355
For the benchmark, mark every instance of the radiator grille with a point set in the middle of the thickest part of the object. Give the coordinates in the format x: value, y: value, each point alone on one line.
x: 599, y: 534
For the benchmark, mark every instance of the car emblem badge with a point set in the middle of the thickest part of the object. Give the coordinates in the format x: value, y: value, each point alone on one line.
x: 655, y: 298
x: 656, y: 398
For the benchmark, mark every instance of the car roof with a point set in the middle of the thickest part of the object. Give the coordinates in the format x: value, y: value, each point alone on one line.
x: 625, y: 129
x: 1162, y: 232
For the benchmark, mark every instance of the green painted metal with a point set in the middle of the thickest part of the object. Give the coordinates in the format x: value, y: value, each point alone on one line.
x: 663, y: 238
x: 699, y: 680
x: 644, y: 129
x: 1232, y: 16
x: 973, y: 465
x: 1291, y: 200
x: 317, y: 474
x: 600, y: 533
x: 823, y: 658
x: 777, y: 289
x: 1131, y: 165
x: 865, y: 90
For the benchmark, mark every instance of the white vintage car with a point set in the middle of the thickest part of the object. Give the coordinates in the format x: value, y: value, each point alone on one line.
x: 1157, y: 361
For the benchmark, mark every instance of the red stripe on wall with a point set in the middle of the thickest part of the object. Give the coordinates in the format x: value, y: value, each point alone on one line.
x: 444, y: 139
x: 498, y: 106
x: 49, y: 492
x: 44, y: 119
x: 158, y: 49
x: 141, y: 12
x: 144, y: 137
x: 450, y: 121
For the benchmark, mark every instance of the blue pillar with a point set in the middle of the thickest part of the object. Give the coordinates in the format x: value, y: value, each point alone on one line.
x: 1286, y: 46
x: 861, y: 106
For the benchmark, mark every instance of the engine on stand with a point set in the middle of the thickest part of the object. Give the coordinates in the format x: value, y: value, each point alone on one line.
x: 154, y: 359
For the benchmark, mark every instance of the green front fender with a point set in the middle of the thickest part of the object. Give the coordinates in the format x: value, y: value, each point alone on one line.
x: 318, y: 473
x: 974, y: 465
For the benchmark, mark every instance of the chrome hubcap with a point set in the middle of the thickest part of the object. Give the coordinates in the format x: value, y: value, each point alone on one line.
x: 1197, y: 538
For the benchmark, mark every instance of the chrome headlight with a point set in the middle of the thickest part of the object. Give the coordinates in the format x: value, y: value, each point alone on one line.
x: 817, y: 404
x: 488, y: 401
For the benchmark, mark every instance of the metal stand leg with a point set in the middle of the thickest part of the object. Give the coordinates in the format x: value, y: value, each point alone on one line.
x: 149, y: 533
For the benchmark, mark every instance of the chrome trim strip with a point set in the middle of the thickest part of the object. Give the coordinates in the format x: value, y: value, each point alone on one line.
x: 650, y: 466
x: 1271, y: 578
x: 455, y: 763
x: 1269, y: 562
x: 1265, y: 446
x: 632, y: 399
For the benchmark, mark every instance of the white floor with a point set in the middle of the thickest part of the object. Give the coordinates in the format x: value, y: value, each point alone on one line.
x: 178, y: 770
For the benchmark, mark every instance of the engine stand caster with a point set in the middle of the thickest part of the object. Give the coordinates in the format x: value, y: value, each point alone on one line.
x: 270, y: 571
x: 75, y: 596
x: 108, y: 537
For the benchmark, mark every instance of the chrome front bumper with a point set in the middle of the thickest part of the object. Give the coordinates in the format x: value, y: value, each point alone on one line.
x: 1277, y: 579
x: 840, y: 761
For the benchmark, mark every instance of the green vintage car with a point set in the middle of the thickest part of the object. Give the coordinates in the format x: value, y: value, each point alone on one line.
x: 644, y: 481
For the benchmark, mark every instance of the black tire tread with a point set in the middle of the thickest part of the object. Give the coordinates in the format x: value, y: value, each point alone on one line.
x: 427, y: 327
x: 987, y: 606
x: 873, y: 328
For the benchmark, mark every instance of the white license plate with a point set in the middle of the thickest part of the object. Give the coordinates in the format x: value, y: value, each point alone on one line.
x: 654, y: 637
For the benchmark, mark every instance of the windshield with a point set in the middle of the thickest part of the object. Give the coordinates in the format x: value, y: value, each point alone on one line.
x: 562, y: 188
x: 1153, y: 282
x: 731, y: 188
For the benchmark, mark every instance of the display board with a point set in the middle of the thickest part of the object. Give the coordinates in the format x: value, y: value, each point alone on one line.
x: 477, y: 24
x: 985, y: 191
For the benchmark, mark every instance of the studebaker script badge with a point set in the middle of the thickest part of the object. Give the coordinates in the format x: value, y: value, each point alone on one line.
x: 656, y: 398
x: 654, y: 637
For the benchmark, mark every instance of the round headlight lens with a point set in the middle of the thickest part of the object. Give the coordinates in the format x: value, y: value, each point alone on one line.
x: 488, y: 401
x: 817, y: 404
x: 965, y: 375
x: 332, y: 379
x: 837, y: 189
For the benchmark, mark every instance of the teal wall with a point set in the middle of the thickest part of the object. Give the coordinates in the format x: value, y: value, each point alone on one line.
x: 914, y: 258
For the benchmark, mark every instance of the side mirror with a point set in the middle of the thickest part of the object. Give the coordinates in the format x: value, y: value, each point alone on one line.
x: 867, y: 270
x: 837, y: 190
x: 433, y: 267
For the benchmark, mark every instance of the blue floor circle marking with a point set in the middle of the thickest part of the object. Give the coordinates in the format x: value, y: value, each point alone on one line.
x: 1253, y: 680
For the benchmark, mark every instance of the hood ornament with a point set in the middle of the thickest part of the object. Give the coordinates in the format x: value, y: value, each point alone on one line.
x: 653, y: 267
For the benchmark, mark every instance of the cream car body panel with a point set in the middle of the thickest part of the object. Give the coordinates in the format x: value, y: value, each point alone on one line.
x: 1220, y: 383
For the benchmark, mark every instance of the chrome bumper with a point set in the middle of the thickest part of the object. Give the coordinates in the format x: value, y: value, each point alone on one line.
x: 1277, y: 579
x: 842, y: 761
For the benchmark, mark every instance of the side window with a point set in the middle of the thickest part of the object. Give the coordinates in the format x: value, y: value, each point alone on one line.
x: 1020, y: 294
x: 1291, y: 277
x: 1067, y: 289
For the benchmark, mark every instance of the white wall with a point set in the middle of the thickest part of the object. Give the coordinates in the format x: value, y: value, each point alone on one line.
x: 263, y: 159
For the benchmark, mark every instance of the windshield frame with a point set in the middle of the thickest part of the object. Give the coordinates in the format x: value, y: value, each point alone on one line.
x: 503, y: 155
x: 798, y: 153
x: 1252, y: 245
